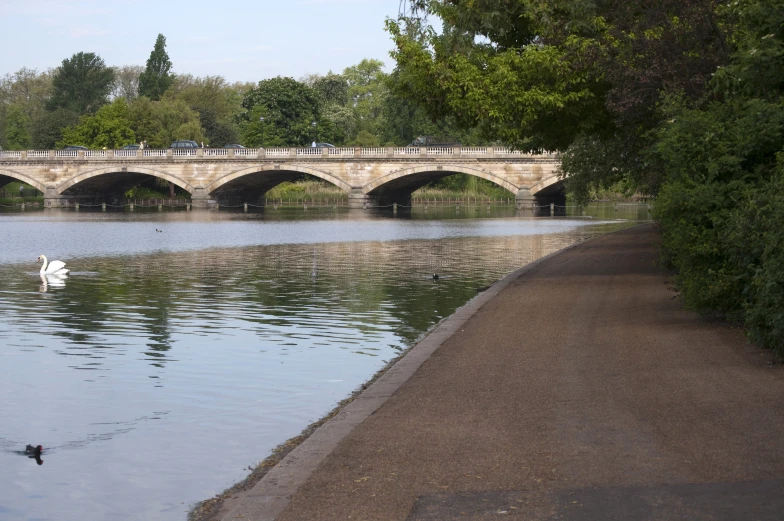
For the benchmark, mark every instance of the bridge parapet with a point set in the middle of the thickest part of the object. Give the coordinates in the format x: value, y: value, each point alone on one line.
x: 305, y: 153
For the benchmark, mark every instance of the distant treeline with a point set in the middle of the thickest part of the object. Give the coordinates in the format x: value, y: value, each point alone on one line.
x: 85, y: 102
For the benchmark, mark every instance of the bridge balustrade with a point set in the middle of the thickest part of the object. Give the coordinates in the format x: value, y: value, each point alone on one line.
x: 473, y: 151
x: 310, y: 151
x: 246, y: 152
x: 341, y: 152
x: 277, y: 152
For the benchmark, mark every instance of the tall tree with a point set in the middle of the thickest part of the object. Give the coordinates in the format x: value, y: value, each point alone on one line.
x: 156, y: 78
x: 81, y: 84
x: 366, y: 92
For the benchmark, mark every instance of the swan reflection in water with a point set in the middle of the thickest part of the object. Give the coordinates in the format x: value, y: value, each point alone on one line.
x: 51, y: 281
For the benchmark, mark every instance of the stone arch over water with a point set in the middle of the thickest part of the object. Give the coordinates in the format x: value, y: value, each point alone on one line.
x: 254, y: 181
x: 132, y: 175
x: 6, y: 176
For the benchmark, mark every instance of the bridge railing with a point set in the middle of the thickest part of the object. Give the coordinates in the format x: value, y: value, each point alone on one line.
x: 310, y: 153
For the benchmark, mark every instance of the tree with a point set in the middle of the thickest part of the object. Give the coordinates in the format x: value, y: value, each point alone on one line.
x: 366, y: 92
x: 333, y: 88
x: 28, y: 90
x: 107, y: 128
x: 162, y: 122
x: 217, y: 103
x: 81, y: 84
x: 155, y: 79
x: 48, y: 129
x: 126, y: 82
x: 288, y: 107
x: 17, y: 136
x: 541, y: 75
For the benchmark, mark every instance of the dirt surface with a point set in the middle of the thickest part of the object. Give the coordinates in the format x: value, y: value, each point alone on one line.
x: 582, y: 391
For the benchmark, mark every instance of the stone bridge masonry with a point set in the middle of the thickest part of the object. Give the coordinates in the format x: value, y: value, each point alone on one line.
x: 376, y: 175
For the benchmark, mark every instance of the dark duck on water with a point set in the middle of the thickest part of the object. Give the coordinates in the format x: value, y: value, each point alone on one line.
x: 35, y: 453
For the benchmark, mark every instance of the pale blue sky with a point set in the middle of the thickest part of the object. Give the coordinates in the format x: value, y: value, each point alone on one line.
x: 241, y: 40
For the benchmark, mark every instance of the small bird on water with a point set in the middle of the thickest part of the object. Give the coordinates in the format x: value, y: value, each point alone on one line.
x: 435, y: 276
x: 34, y: 453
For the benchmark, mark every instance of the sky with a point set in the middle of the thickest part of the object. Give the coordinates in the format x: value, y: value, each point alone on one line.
x: 240, y: 40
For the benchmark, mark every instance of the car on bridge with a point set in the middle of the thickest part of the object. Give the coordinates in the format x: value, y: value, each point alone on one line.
x: 75, y: 147
x: 324, y: 145
x: 434, y: 141
x: 185, y: 143
x: 133, y: 146
x: 233, y: 145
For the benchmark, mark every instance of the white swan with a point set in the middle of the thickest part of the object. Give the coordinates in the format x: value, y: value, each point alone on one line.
x: 52, y: 268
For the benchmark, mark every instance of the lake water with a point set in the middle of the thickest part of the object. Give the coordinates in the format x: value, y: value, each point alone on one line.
x: 166, y: 363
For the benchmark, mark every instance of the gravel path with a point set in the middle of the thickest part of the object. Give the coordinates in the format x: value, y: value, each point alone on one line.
x: 582, y: 391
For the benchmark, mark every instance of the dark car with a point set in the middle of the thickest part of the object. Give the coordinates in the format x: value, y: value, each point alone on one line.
x: 434, y: 141
x: 134, y: 146
x: 324, y: 145
x: 184, y: 144
x: 75, y: 147
x: 233, y: 145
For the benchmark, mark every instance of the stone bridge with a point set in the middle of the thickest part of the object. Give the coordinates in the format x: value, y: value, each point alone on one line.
x: 375, y: 175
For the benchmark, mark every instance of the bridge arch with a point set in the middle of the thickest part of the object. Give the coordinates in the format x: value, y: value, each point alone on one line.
x: 443, y: 169
x: 547, y: 185
x: 24, y: 178
x: 130, y: 169
x: 282, y: 167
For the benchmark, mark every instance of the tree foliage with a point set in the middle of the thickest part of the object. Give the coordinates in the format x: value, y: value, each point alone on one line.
x: 537, y: 74
x: 81, y: 84
x: 48, y: 129
x: 17, y: 136
x: 288, y: 107
x: 162, y: 122
x: 126, y: 82
x: 107, y: 128
x: 156, y: 78
x: 681, y: 99
x: 216, y: 102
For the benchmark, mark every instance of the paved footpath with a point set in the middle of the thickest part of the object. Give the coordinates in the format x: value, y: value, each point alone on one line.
x: 581, y: 391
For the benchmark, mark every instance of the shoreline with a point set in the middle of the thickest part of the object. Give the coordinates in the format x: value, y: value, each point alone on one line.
x: 236, y: 497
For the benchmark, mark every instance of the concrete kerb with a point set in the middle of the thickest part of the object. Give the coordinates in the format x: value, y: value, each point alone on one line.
x: 273, y: 492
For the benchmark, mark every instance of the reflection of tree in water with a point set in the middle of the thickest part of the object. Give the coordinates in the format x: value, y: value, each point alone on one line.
x: 360, y: 293
x: 160, y: 337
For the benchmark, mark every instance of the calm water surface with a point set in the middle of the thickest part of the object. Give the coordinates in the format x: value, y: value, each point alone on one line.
x: 168, y: 362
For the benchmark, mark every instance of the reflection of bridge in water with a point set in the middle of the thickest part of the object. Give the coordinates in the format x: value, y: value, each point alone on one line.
x: 375, y: 175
